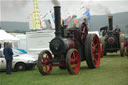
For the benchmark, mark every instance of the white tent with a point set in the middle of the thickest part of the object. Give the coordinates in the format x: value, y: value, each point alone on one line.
x: 6, y: 37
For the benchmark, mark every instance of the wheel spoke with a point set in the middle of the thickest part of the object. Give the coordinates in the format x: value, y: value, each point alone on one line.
x: 46, y: 68
x: 93, y: 44
x: 95, y: 61
x: 74, y: 65
x: 93, y: 49
x: 72, y: 60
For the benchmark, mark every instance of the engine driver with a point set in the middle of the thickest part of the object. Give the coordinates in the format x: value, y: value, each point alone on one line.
x: 117, y: 29
x: 84, y: 30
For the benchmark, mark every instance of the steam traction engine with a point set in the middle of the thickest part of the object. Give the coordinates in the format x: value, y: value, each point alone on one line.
x: 69, y: 48
x: 112, y: 40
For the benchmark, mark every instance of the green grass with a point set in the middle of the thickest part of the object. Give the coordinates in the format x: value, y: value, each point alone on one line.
x: 113, y: 70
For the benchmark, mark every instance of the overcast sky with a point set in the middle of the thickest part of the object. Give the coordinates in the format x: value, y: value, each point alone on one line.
x: 19, y: 10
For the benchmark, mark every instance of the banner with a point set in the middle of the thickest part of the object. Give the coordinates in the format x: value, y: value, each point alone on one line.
x: 51, y: 18
x: 36, y: 16
x: 36, y: 21
x: 42, y: 22
x: 87, y: 13
x: 68, y: 19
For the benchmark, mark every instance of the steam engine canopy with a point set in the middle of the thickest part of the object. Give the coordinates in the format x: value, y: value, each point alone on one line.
x: 58, y: 46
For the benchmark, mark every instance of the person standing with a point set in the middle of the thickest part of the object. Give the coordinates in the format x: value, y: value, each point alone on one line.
x: 117, y: 29
x: 84, y: 30
x: 8, y: 57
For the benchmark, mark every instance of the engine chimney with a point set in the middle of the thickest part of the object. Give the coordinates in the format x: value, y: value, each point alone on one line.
x: 110, y: 21
x: 57, y: 21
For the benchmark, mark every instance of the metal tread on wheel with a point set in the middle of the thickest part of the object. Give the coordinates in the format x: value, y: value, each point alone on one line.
x: 92, y: 50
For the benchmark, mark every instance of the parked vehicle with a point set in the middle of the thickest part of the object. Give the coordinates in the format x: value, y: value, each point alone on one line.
x: 21, y: 61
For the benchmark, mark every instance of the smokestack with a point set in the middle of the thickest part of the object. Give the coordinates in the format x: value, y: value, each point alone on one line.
x: 110, y: 21
x: 57, y: 21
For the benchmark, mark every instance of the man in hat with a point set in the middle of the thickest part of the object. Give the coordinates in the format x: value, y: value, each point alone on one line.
x: 8, y: 57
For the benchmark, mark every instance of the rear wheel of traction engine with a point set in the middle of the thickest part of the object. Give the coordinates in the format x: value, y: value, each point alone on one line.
x: 122, y: 49
x: 92, y: 50
x: 73, y: 61
x: 43, y: 62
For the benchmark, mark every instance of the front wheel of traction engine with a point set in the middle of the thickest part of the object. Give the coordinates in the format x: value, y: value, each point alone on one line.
x: 73, y: 61
x: 92, y: 50
x: 43, y: 62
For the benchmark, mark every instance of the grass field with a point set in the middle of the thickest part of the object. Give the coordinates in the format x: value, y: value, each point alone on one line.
x: 113, y: 70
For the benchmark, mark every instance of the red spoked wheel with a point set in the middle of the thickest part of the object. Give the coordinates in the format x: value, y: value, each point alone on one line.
x: 73, y: 61
x: 43, y: 62
x: 92, y: 50
x: 96, y: 51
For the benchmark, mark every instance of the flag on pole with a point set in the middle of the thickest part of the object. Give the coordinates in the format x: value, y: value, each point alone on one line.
x: 35, y: 21
x: 68, y: 19
x: 36, y: 16
x: 42, y: 22
x: 75, y: 21
x: 51, y: 20
x: 87, y: 14
x: 52, y: 15
x: 74, y: 17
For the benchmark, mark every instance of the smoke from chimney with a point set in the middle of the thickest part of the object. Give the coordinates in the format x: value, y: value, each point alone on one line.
x: 104, y: 9
x: 55, y: 2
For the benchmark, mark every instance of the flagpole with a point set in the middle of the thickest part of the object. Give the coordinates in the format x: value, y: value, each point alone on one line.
x: 51, y: 20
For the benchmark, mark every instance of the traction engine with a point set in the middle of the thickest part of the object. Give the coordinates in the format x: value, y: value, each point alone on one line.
x: 69, y: 48
x: 112, y: 40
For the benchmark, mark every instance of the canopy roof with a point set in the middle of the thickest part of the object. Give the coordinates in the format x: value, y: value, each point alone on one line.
x: 4, y: 36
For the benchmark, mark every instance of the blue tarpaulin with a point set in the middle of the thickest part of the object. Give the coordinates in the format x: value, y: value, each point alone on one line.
x: 22, y: 50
